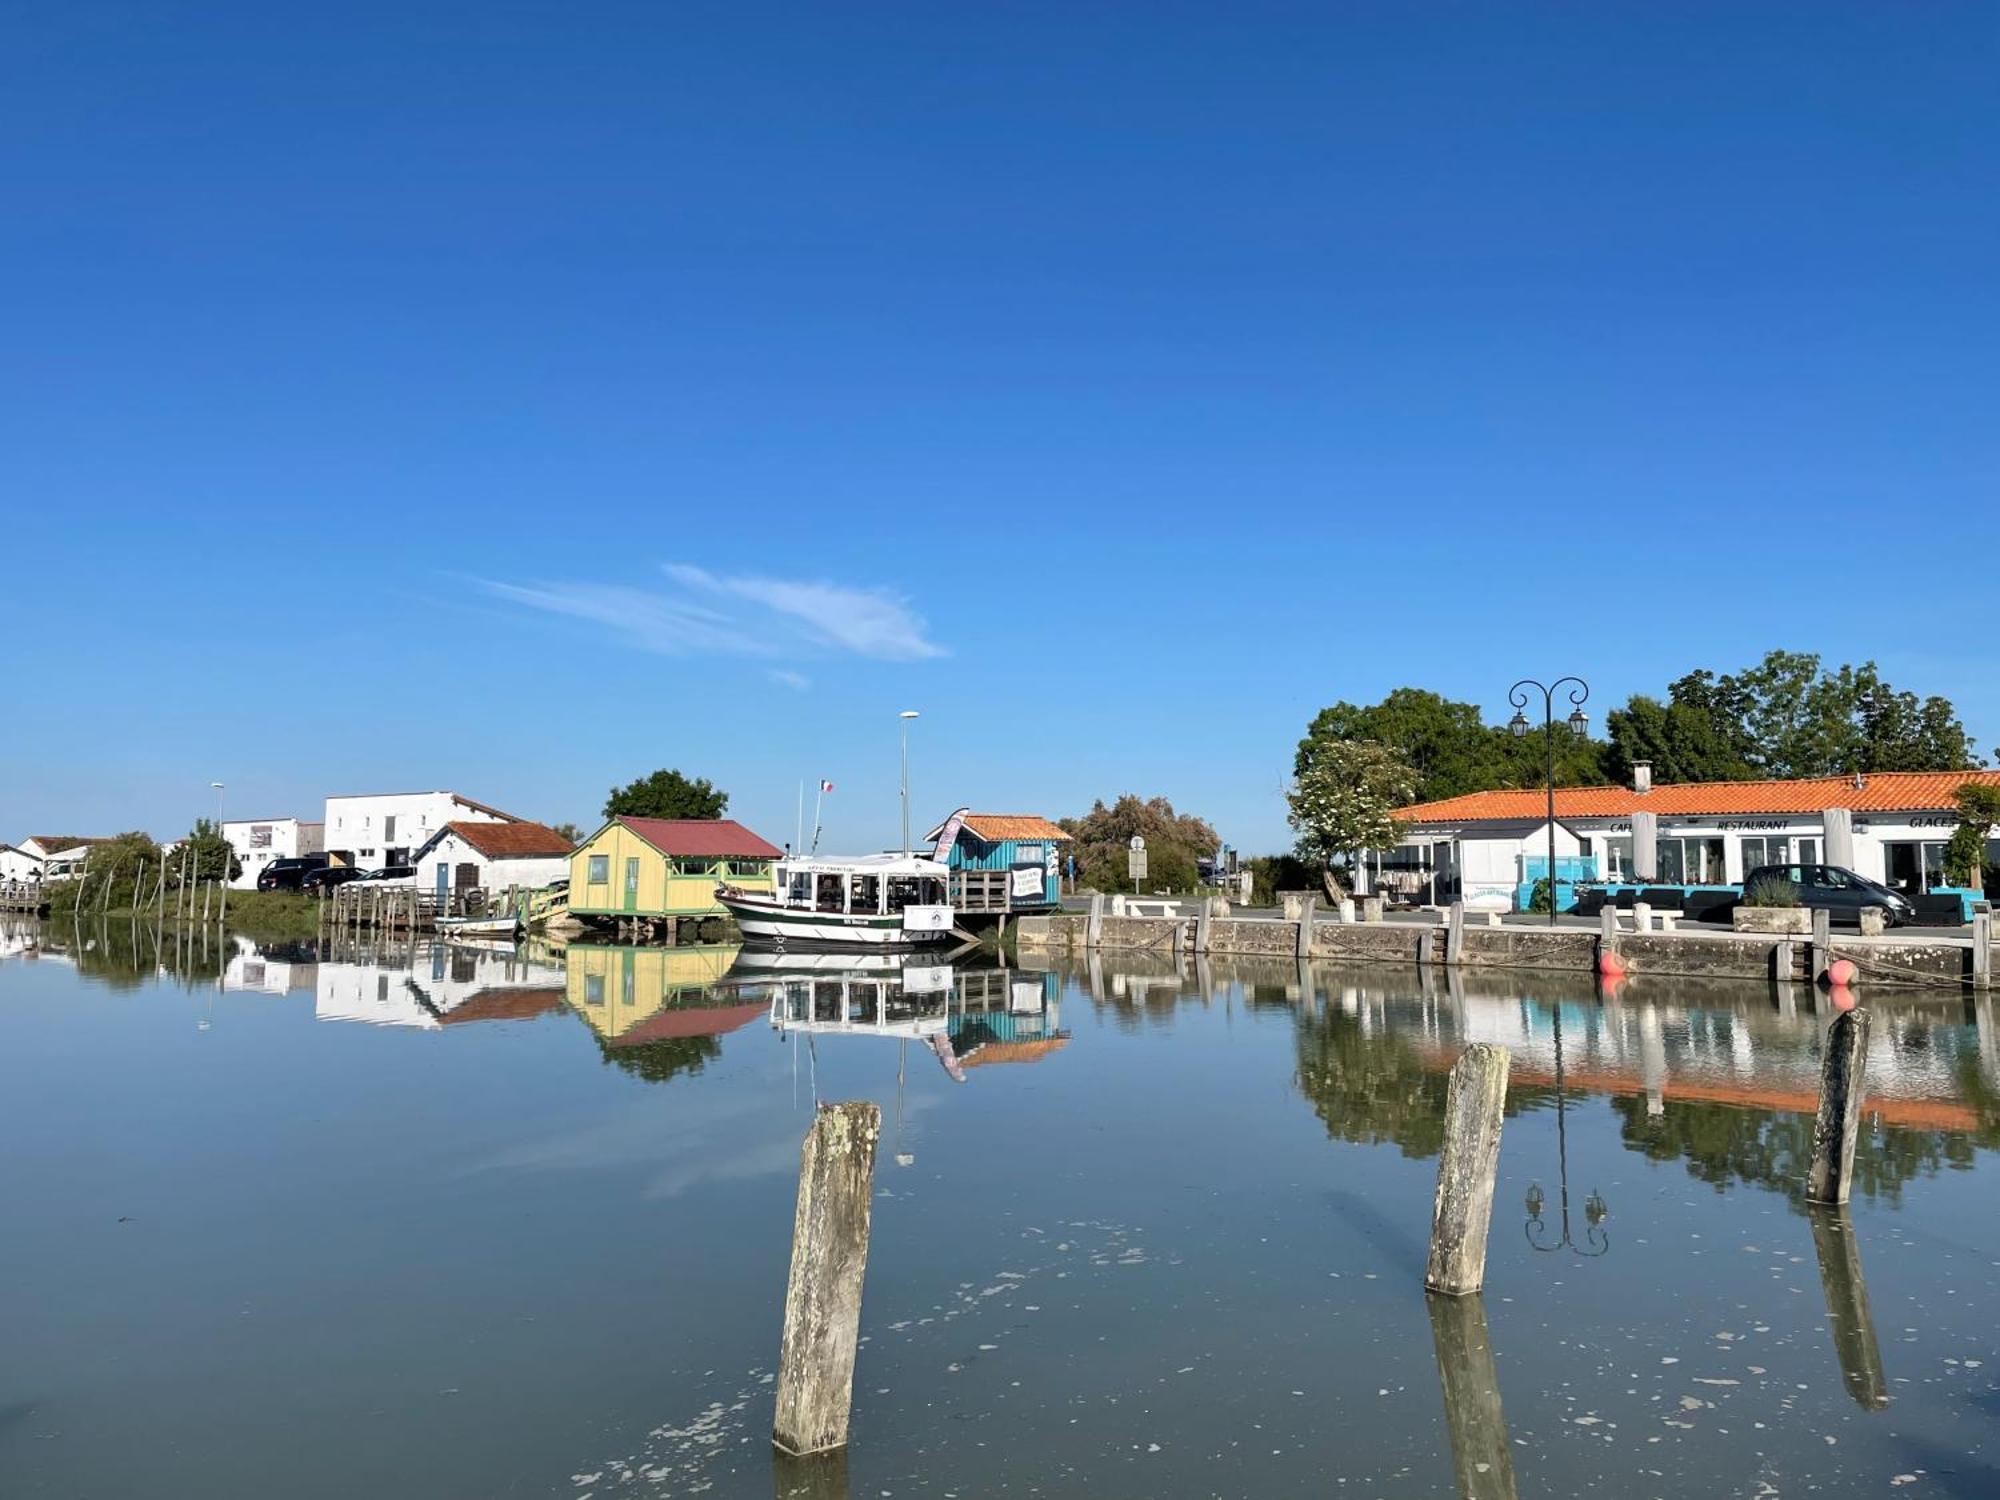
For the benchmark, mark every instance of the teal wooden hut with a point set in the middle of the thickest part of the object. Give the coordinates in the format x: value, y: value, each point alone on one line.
x: 1001, y: 862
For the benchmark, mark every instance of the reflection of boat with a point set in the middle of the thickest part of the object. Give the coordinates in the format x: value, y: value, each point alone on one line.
x: 501, y: 926
x: 872, y: 901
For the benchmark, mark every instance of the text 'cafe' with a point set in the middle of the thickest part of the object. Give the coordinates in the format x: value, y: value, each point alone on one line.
x: 1889, y: 826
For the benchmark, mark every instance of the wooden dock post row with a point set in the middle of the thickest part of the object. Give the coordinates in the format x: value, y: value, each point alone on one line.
x: 829, y: 1262
x: 1837, y: 1127
x: 1467, y: 1166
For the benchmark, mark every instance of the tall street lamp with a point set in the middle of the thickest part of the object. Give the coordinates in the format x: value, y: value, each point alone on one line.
x: 906, y: 715
x: 1579, y: 725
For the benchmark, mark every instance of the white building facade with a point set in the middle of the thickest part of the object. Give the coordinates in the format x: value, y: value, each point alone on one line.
x: 1886, y: 826
x: 375, y: 830
x: 256, y: 842
x: 18, y: 866
x: 491, y: 857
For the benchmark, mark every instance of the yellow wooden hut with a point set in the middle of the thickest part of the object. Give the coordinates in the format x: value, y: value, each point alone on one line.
x: 666, y: 867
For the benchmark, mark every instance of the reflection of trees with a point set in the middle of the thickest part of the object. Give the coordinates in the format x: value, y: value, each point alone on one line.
x: 664, y: 1060
x: 1376, y: 1088
x: 1723, y: 1144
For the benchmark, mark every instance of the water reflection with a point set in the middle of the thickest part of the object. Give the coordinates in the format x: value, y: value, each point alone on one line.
x: 1482, y: 1458
x: 1848, y: 1315
x: 1596, y: 1241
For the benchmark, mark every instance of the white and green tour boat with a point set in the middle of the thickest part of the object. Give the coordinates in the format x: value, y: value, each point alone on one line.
x: 870, y: 901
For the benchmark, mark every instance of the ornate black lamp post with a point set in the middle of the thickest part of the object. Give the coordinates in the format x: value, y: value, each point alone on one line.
x: 1579, y: 725
x: 1595, y: 1240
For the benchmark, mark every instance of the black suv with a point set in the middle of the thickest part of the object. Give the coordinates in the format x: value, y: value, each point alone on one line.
x: 326, y: 877
x: 1830, y: 888
x: 289, y: 874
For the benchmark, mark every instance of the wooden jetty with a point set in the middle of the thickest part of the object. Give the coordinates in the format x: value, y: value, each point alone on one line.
x: 29, y: 896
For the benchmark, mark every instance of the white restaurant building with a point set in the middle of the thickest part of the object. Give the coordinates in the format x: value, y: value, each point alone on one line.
x: 1484, y: 847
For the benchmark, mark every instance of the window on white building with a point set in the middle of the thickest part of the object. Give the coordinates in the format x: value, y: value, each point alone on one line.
x: 1692, y: 861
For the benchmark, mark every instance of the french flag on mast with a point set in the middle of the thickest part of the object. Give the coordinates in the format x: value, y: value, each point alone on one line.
x: 826, y: 786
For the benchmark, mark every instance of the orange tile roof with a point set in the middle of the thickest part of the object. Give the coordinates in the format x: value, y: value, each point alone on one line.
x: 993, y: 827
x: 1879, y: 791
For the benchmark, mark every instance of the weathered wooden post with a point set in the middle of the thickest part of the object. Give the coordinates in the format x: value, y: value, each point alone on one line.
x: 1781, y: 961
x: 1426, y: 944
x: 1607, y: 928
x: 1202, y: 923
x: 1474, y: 1101
x: 1481, y: 1453
x: 1454, y: 934
x: 1848, y: 1316
x: 207, y: 896
x: 829, y: 1261
x: 1093, y: 934
x: 1822, y: 941
x: 1837, y: 1127
x: 1305, y: 935
x: 222, y: 899
x: 1982, y: 949
x: 160, y: 894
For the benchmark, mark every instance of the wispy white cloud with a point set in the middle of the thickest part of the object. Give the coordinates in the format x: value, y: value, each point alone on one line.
x: 868, y: 622
x: 705, y: 613
x: 786, y: 677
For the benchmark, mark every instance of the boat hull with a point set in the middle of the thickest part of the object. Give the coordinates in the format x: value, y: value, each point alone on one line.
x: 773, y: 927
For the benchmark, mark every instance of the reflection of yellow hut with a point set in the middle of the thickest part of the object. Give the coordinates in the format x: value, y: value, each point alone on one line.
x: 615, y: 988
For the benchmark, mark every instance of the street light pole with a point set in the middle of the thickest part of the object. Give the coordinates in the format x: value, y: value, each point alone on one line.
x: 905, y: 716
x: 1579, y: 725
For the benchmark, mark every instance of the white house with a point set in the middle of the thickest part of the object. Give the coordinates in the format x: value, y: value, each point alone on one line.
x: 387, y: 828
x: 18, y: 865
x: 62, y: 854
x: 258, y: 841
x: 491, y: 857
x: 1887, y: 826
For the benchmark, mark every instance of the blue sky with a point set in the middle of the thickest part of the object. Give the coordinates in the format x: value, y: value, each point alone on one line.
x: 517, y: 397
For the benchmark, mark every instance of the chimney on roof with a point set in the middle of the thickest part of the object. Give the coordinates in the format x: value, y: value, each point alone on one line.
x: 1860, y: 780
x: 1642, y: 776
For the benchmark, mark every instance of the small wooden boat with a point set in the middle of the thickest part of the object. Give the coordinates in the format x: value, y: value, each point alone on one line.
x: 479, y: 927
x: 869, y: 901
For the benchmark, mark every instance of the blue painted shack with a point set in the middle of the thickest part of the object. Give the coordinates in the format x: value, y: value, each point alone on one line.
x: 1001, y: 862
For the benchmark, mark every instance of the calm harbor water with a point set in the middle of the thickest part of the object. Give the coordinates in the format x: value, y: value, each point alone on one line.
x: 444, y: 1222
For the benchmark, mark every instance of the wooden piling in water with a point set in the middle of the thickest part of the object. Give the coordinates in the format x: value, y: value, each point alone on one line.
x: 1837, y: 1126
x: 1094, y: 933
x: 1305, y: 936
x: 222, y: 897
x: 1202, y: 922
x: 1982, y: 949
x: 1467, y: 1166
x: 829, y: 1262
x: 1822, y: 942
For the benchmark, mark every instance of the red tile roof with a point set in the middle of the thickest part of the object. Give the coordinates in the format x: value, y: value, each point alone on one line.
x: 1878, y: 791
x: 701, y: 838
x: 691, y: 1020
x: 518, y: 840
x: 994, y: 827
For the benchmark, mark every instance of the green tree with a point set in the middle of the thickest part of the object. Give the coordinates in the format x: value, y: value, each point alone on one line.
x: 1965, y: 852
x: 666, y: 794
x: 1447, y: 746
x: 1173, y: 842
x: 569, y: 831
x: 1345, y: 798
x: 1698, y: 734
x: 210, y: 856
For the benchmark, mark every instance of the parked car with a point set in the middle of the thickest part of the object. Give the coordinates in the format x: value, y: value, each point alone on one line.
x: 1840, y: 891
x: 289, y: 874
x: 390, y: 875
x: 319, y: 882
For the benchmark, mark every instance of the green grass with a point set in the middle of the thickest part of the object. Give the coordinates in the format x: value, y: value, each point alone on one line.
x: 275, y: 914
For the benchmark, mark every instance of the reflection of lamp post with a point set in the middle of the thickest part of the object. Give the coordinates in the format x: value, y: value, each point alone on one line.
x: 1595, y: 1211
x: 1579, y: 725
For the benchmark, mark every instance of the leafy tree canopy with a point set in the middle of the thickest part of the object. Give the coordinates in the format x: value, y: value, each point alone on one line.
x: 1173, y: 841
x: 666, y: 794
x: 1449, y: 748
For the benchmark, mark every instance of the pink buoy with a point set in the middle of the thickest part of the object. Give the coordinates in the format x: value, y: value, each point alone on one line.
x: 1841, y: 996
x: 1611, y: 964
x: 1841, y: 973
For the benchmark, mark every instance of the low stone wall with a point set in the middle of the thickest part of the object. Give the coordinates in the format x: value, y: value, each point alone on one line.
x: 1695, y: 955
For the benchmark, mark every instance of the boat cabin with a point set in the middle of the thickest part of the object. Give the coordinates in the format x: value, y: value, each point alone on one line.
x: 870, y: 885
